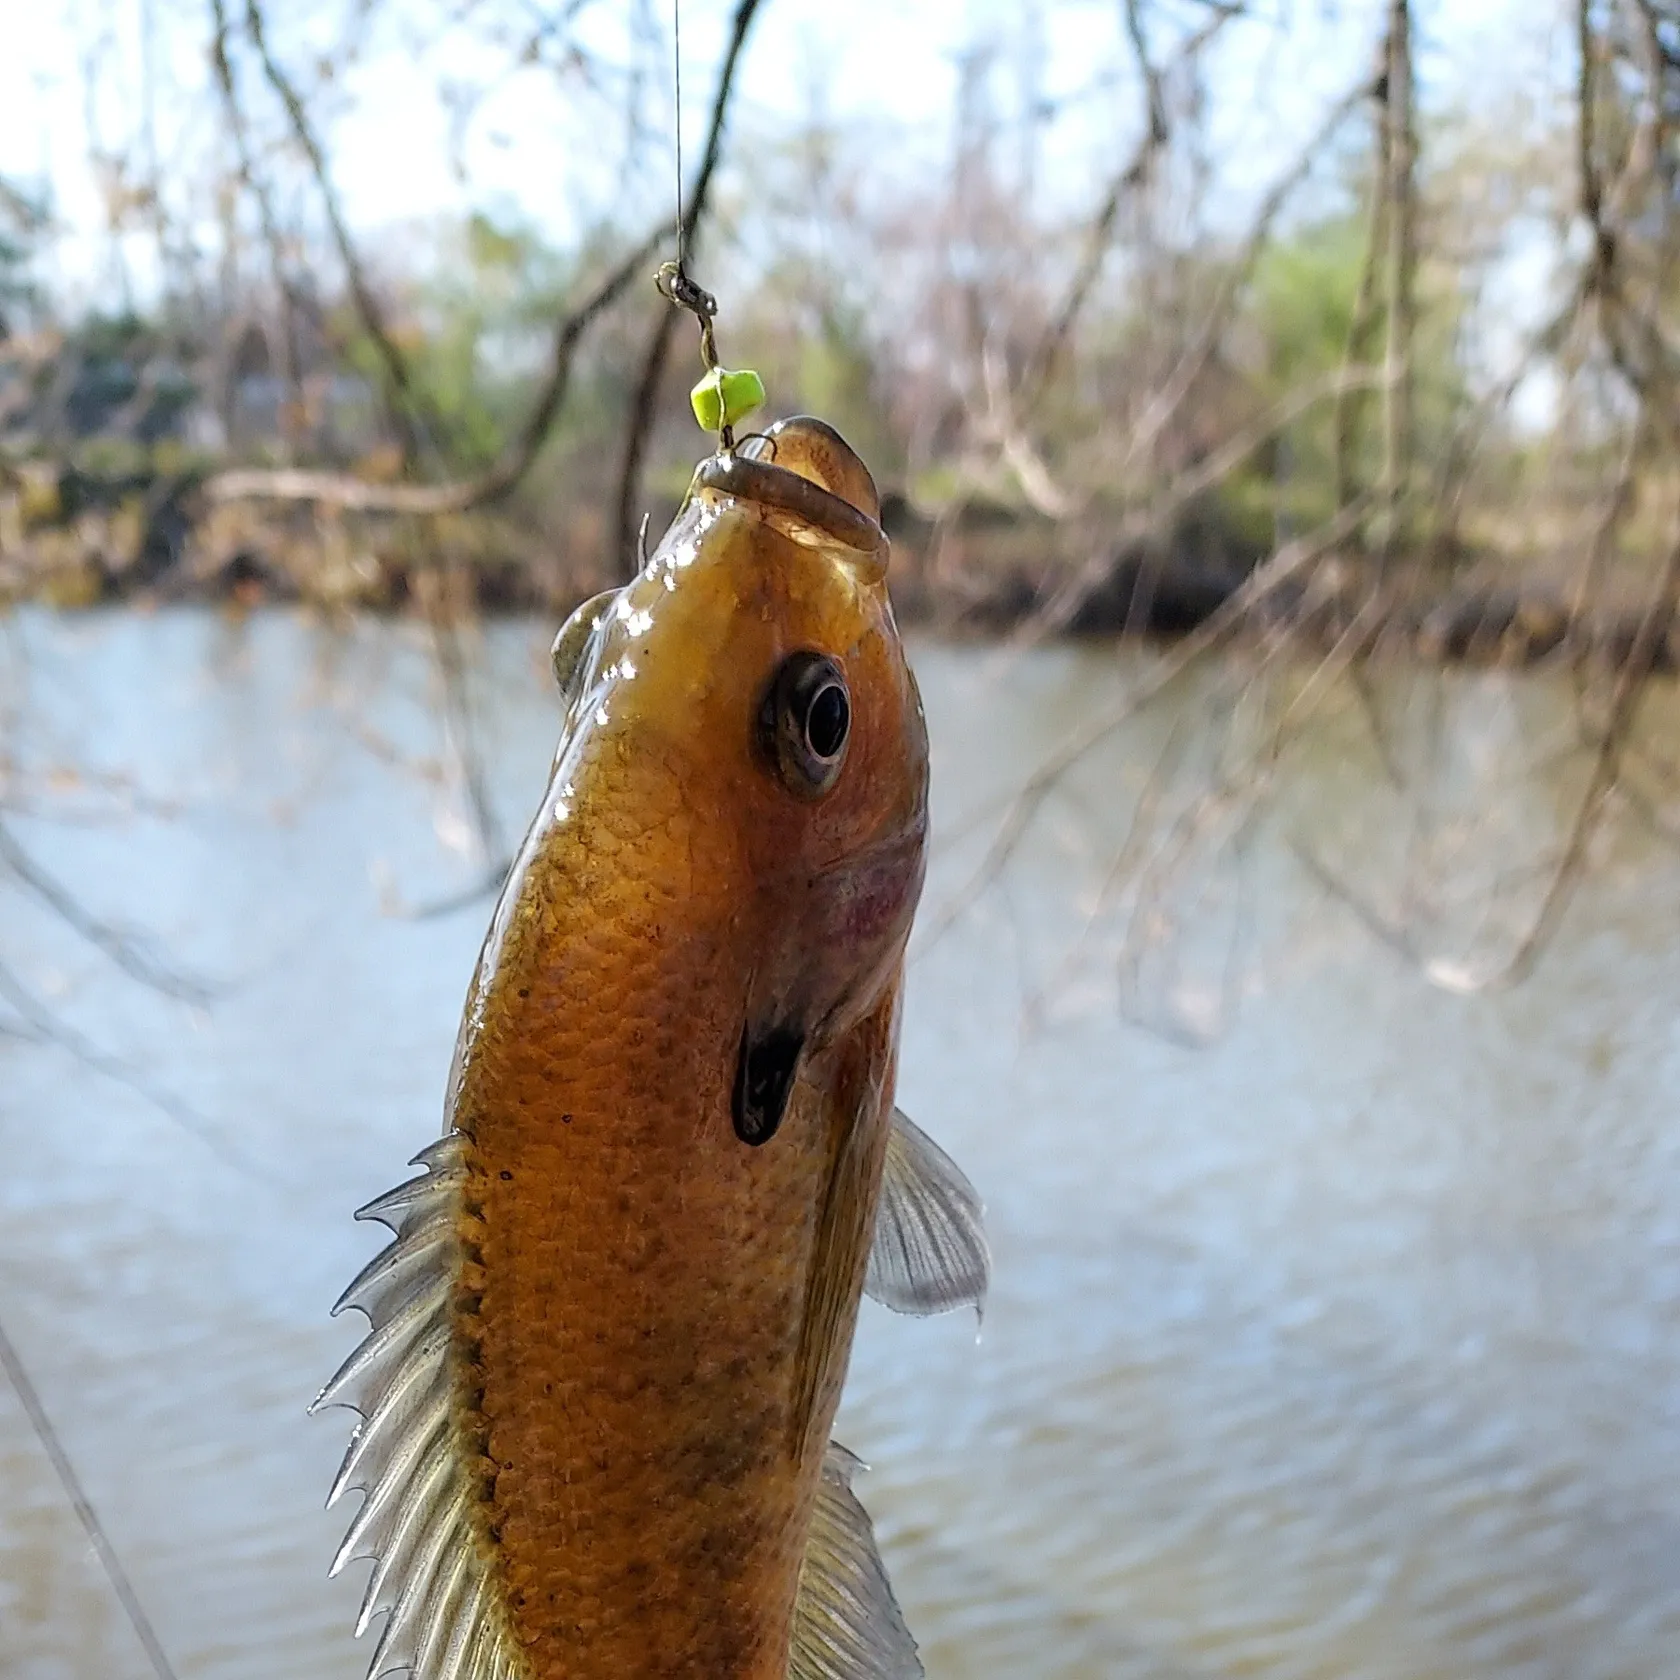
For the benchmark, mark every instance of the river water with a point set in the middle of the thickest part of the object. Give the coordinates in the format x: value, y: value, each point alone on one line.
x: 1336, y: 1324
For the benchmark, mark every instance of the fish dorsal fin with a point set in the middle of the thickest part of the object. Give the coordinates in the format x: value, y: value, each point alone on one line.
x: 408, y: 1455
x: 929, y: 1254
x: 846, y: 1622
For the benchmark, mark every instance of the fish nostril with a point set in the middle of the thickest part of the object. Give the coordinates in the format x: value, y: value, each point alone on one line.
x: 764, y: 1073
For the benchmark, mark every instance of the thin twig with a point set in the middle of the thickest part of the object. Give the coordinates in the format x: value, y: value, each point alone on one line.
x: 399, y: 386
x: 1631, y: 682
x: 47, y: 1028
x: 18, y: 1376
x: 1133, y: 174
x: 1166, y: 402
x: 1346, y: 414
x: 123, y: 949
x: 1401, y: 188
x: 460, y: 724
x: 1155, y: 521
x: 1120, y: 867
x: 291, y: 301
x: 358, y: 495
x: 1391, y: 931
x: 1289, y: 562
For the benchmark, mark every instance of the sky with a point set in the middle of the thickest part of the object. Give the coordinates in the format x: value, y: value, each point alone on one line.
x: 554, y: 156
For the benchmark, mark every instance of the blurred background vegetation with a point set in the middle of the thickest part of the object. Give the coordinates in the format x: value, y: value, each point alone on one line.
x: 1121, y: 302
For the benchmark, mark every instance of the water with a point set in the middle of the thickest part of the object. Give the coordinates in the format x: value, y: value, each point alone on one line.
x: 1334, y: 1327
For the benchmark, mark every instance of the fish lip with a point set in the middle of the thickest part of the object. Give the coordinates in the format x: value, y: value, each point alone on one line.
x: 759, y: 481
x: 766, y: 1066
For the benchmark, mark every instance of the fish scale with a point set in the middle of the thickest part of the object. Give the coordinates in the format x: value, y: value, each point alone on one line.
x: 670, y: 1128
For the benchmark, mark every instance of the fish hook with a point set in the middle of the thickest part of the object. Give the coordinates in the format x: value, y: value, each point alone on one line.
x: 676, y: 286
x: 723, y: 395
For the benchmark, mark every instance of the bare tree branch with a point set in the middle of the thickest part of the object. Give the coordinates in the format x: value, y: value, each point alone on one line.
x: 291, y: 303
x: 399, y: 386
x: 1346, y: 414
x: 1400, y: 150
x: 358, y: 495
x: 1133, y: 174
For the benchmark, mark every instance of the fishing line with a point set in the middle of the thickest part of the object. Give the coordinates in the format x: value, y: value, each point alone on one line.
x: 673, y: 278
x: 83, y: 1506
x: 676, y: 78
x: 723, y: 395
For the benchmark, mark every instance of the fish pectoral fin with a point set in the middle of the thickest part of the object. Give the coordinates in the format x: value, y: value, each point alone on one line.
x: 929, y: 1253
x: 572, y: 642
x: 846, y: 1622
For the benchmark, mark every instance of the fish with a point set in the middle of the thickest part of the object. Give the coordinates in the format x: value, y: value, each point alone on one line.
x: 607, y: 1341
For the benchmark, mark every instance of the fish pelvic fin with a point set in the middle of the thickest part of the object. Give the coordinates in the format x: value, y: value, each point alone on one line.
x: 434, y: 1576
x: 929, y: 1253
x: 846, y: 1622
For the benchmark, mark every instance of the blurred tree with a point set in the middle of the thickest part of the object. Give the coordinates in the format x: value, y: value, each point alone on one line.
x: 24, y: 225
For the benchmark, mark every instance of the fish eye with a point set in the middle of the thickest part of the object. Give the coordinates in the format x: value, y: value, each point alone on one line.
x: 806, y: 722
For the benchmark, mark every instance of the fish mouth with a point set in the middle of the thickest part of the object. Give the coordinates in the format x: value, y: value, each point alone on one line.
x: 764, y: 1075
x: 772, y: 486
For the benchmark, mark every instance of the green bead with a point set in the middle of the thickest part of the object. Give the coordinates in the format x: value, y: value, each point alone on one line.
x: 725, y: 396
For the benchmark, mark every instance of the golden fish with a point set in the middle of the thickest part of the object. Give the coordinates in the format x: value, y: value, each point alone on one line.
x: 609, y: 1339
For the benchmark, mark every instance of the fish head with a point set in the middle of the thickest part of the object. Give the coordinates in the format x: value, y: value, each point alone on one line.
x: 743, y: 728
